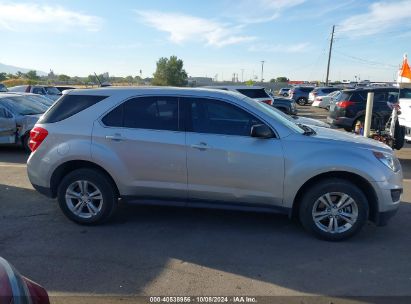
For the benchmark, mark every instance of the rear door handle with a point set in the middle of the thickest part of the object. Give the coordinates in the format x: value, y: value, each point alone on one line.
x: 201, y: 146
x: 115, y: 137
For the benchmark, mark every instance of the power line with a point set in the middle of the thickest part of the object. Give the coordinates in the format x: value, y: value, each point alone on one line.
x: 367, y: 61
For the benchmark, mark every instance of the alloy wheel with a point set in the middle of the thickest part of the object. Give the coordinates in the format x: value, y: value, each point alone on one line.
x: 335, y: 212
x: 84, y: 199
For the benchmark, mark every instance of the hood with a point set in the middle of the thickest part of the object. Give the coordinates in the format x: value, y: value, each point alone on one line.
x: 345, y: 137
x: 310, y: 121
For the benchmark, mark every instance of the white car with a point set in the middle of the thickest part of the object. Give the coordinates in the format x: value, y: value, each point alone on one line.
x: 404, y: 118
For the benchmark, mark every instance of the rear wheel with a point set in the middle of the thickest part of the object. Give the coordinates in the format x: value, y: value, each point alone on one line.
x: 87, y: 196
x: 25, y: 140
x: 334, y: 209
x: 301, y: 101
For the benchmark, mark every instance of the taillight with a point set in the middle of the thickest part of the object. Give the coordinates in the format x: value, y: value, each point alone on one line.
x: 344, y: 104
x: 268, y: 101
x: 37, y: 135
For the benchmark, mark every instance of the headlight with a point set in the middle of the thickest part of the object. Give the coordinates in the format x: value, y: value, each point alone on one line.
x: 389, y: 160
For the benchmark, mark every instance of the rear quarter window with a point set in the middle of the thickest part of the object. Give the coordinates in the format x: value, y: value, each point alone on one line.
x: 68, y: 105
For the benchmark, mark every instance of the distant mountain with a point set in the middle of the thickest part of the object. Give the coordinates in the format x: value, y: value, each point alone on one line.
x: 13, y: 70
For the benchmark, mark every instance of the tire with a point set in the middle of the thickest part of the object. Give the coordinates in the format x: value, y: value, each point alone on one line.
x: 105, y: 202
x: 399, y: 136
x: 356, y: 211
x: 25, y: 139
x: 301, y: 101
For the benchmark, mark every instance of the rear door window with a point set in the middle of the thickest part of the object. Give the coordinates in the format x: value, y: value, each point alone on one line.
x: 154, y: 112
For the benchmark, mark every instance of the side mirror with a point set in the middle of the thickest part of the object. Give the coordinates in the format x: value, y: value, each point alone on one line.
x: 261, y: 131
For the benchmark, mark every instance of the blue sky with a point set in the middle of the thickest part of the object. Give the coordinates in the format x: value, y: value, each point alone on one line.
x: 213, y: 37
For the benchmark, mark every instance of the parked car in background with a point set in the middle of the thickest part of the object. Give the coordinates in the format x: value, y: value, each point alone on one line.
x: 254, y: 92
x: 62, y: 88
x: 18, y: 115
x: 226, y: 151
x: 300, y: 94
x: 48, y: 91
x: 285, y: 105
x: 3, y: 88
x: 35, y: 98
x: 15, y: 288
x: 350, y: 107
x: 320, y: 91
x: 325, y: 101
x: 284, y: 92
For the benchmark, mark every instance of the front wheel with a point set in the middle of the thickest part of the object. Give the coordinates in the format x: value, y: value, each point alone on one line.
x: 334, y: 209
x: 87, y: 196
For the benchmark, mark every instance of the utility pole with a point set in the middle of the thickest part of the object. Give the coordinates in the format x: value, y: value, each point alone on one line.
x: 329, y: 56
x: 262, y: 70
x: 242, y: 75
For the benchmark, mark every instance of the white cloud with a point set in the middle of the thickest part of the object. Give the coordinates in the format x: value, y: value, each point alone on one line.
x: 182, y: 28
x: 284, y: 48
x: 380, y: 17
x: 258, y: 11
x: 29, y: 17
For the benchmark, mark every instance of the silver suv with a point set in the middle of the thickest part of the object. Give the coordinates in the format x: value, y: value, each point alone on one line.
x: 207, y: 148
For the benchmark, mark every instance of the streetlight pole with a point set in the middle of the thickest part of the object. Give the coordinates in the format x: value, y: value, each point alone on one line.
x: 262, y: 70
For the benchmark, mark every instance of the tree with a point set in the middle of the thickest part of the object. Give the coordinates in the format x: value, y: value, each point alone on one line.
x: 130, y: 79
x: 282, y: 79
x: 3, y: 76
x: 64, y: 78
x: 170, y: 72
x: 249, y: 82
x: 32, y: 75
x: 272, y: 80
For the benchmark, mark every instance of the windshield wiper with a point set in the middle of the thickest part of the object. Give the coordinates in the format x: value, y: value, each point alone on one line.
x: 307, y: 130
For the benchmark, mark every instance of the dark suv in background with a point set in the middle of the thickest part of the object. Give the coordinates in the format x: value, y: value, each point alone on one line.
x: 300, y: 94
x: 350, y: 107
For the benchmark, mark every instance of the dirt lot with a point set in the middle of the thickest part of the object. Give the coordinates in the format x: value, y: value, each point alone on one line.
x: 173, y: 251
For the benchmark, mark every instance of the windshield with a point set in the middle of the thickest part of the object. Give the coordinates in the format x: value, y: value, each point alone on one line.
x: 52, y: 91
x: 23, y: 106
x: 277, y: 115
x: 41, y: 99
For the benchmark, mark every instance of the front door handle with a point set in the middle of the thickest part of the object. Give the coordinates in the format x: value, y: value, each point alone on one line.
x: 115, y: 137
x: 201, y: 146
